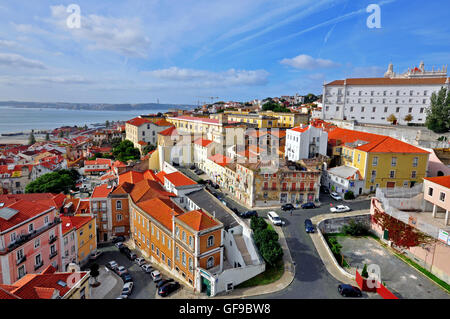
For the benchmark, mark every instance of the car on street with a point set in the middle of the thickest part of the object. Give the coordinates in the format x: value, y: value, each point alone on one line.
x: 140, y: 261
x: 324, y: 190
x: 349, y: 291
x: 275, y: 219
x: 309, y: 227
x: 124, y: 249
x: 127, y: 288
x: 122, y: 297
x: 192, y: 167
x: 335, y: 196
x: 156, y: 276
x: 147, y: 268
x: 168, y: 288
x: 121, y: 270
x: 340, y: 209
x: 112, y: 265
x: 286, y: 207
x: 94, y: 255
x: 118, y: 239
x: 130, y: 255
x: 249, y: 214
x: 308, y: 205
x: 163, y: 282
x: 127, y: 278
x: 119, y: 244
x: 199, y: 172
x: 236, y: 211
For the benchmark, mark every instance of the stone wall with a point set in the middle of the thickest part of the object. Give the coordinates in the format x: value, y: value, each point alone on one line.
x: 334, y: 225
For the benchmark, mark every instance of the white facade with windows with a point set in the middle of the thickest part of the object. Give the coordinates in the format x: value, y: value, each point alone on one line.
x: 373, y: 100
x: 305, y: 142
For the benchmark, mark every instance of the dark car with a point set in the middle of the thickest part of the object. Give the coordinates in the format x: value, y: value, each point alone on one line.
x: 199, y: 172
x: 124, y: 250
x: 308, y: 206
x: 131, y: 256
x: 127, y: 278
x: 249, y: 214
x: 309, y: 227
x: 236, y: 211
x: 349, y: 291
x: 287, y: 207
x: 168, y: 288
x: 324, y: 190
x: 161, y: 283
x: 192, y: 167
x: 118, y: 239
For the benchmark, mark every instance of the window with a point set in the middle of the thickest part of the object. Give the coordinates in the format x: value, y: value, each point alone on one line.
x: 13, y: 237
x: 392, y: 174
x: 442, y: 197
x: 30, y: 227
x: 210, y: 263
x: 38, y: 260
x: 157, y: 252
x: 394, y: 162
x: 37, y: 243
x: 177, y: 253
x: 413, y: 174
x: 375, y: 161
x: 183, y: 259
x: 191, y: 265
x: 430, y: 191
x: 191, y: 241
x: 19, y: 254
x: 415, y: 161
x: 119, y: 217
x: 183, y: 236
x: 119, y: 205
x: 46, y: 220
x: 210, y: 241
x: 359, y: 158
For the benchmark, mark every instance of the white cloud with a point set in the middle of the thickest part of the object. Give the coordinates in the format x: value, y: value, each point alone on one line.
x: 197, y: 78
x: 8, y: 44
x: 18, y: 61
x: 306, y: 62
x: 120, y: 35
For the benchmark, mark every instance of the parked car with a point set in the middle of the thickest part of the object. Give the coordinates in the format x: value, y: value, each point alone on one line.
x: 349, y: 291
x: 118, y: 239
x: 308, y: 205
x: 121, y: 270
x: 309, y: 227
x: 124, y: 249
x: 286, y: 207
x: 122, y: 297
x: 163, y: 282
x: 168, y: 288
x: 156, y: 275
x: 147, y: 268
x: 127, y: 277
x: 127, y: 288
x: 94, y: 255
x: 199, y: 172
x: 192, y: 167
x: 131, y: 256
x: 212, y: 184
x: 335, y: 196
x: 119, y: 244
x: 249, y: 214
x: 140, y: 261
x: 236, y: 211
x: 340, y: 209
x: 112, y: 265
x: 275, y: 219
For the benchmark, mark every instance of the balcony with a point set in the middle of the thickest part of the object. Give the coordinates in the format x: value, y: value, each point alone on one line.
x: 52, y: 239
x: 53, y: 254
x: 21, y: 260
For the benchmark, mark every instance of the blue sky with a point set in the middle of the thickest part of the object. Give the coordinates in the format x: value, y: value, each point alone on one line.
x: 135, y: 51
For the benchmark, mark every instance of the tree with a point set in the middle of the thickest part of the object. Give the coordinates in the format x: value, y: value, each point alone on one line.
x: 126, y: 151
x: 47, y: 137
x: 107, y: 124
x: 355, y: 229
x: 257, y: 223
x: 408, y: 118
x: 392, y: 119
x: 94, y: 272
x: 364, y: 272
x: 60, y: 134
x: 55, y: 182
x: 264, y: 236
x: 438, y: 114
x: 272, y: 252
x: 148, y: 148
x: 349, y: 195
x: 31, y: 139
x: 310, y: 98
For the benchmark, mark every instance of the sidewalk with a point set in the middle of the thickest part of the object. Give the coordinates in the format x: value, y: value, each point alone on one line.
x: 111, y: 285
x: 282, y: 283
x: 324, y: 251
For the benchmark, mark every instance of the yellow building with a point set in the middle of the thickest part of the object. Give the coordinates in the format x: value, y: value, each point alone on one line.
x: 267, y: 119
x: 376, y: 160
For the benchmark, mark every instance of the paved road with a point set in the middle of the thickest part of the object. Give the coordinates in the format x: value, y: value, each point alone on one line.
x: 144, y: 288
x: 312, y: 280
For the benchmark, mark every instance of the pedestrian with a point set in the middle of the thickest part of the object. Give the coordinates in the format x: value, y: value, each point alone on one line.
x: 291, y: 212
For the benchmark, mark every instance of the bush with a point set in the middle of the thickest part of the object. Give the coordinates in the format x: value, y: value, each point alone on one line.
x: 55, y: 182
x: 364, y: 272
x: 257, y: 223
x: 349, y: 195
x: 355, y: 229
x: 272, y: 252
x: 265, y: 236
x: 266, y: 239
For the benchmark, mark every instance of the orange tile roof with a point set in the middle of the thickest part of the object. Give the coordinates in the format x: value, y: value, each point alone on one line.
x: 138, y: 121
x: 160, y: 176
x: 373, y: 143
x: 71, y: 222
x: 220, y: 159
x: 202, y: 142
x: 178, y: 179
x: 101, y: 191
x: 84, y: 207
x: 300, y: 129
x: 161, y: 210
x: 170, y: 131
x: 198, y: 220
x: 132, y: 177
x: 389, y: 81
x: 440, y: 180
x: 163, y: 122
x: 124, y: 188
x: 147, y: 189
x: 25, y: 210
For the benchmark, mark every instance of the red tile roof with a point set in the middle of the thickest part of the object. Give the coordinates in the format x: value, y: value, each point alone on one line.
x: 300, y: 129
x: 148, y: 189
x: 132, y: 177
x: 170, y: 131
x: 161, y: 209
x: 163, y: 122
x: 101, y: 191
x: 25, y: 210
x: 178, y: 179
x: 440, y: 180
x: 202, y: 142
x: 99, y: 161
x: 198, y: 220
x: 220, y: 159
x: 389, y: 81
x: 373, y: 143
x: 71, y: 222
x: 138, y: 121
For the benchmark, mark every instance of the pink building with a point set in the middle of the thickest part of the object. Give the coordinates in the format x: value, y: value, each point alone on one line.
x: 437, y: 191
x: 30, y: 237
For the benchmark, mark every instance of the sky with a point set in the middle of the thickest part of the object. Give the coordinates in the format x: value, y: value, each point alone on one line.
x: 185, y: 51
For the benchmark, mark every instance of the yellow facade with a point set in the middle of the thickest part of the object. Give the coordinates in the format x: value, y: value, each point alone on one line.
x: 87, y: 239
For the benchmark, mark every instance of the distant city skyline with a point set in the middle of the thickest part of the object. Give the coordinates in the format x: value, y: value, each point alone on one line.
x: 179, y: 53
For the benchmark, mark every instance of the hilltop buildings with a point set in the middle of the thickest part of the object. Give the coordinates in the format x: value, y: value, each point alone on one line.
x: 373, y: 100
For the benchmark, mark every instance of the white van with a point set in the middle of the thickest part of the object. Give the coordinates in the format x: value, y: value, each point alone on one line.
x: 275, y: 219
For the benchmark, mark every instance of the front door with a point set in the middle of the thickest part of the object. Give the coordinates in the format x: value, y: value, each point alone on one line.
x: 206, y: 286
x: 391, y: 185
x: 105, y: 237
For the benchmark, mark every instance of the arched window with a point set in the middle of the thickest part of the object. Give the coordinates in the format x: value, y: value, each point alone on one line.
x: 210, y: 263
x: 183, y: 258
x: 440, y: 173
x: 210, y: 241
x: 191, y: 265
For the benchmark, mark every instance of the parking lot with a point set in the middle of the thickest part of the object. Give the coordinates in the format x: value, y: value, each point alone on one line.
x: 403, y: 280
x: 144, y: 287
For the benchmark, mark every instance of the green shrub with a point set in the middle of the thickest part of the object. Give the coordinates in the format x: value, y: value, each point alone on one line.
x: 364, y: 272
x: 257, y: 223
x: 355, y: 229
x: 349, y: 195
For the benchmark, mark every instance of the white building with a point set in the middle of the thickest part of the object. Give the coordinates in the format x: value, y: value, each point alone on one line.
x: 305, y: 142
x: 142, y: 132
x: 373, y: 100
